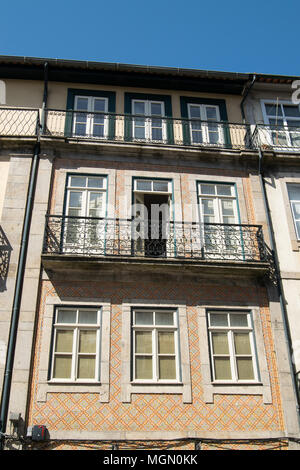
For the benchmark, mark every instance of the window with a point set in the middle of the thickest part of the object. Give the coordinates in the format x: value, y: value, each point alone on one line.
x: 294, y: 197
x: 151, y: 127
x: 90, y: 120
x: 284, y: 121
x: 232, y: 346
x: 76, y: 345
x: 90, y: 114
x: 155, y: 346
x: 147, y: 118
x: 85, y: 210
x: 219, y: 215
x: 203, y: 122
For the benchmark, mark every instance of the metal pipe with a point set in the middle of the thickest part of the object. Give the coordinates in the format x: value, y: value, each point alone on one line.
x: 280, y: 289
x: 18, y: 294
x: 45, y: 98
x: 245, y: 94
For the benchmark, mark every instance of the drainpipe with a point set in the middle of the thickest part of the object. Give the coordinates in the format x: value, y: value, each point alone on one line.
x: 279, y: 281
x: 21, y: 269
x: 18, y: 294
x: 245, y: 93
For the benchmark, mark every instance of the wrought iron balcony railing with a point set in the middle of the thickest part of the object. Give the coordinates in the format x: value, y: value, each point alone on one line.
x: 277, y: 137
x: 103, y: 237
x: 146, y: 129
x: 19, y: 122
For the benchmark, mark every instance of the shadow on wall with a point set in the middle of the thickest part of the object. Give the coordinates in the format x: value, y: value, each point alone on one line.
x: 5, y: 252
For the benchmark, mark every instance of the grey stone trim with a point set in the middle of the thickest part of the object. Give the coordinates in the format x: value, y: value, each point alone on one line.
x: 127, y: 387
x: 45, y: 386
x: 209, y: 388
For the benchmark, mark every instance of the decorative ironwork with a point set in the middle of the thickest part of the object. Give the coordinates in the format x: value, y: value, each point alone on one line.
x: 277, y: 137
x: 5, y: 252
x: 103, y: 237
x: 19, y: 122
x: 144, y: 129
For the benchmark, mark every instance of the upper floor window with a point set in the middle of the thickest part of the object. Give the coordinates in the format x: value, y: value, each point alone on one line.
x: 204, y: 127
x: 147, y: 118
x: 294, y: 197
x: 217, y: 203
x: 90, y: 114
x: 90, y: 120
x: 76, y: 345
x: 232, y: 346
x: 284, y: 121
x: 204, y: 121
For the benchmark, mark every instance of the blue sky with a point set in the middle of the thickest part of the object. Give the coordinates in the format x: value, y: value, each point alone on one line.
x: 232, y: 35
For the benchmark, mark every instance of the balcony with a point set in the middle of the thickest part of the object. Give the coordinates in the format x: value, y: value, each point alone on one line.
x: 277, y: 137
x: 123, y: 128
x: 85, y: 240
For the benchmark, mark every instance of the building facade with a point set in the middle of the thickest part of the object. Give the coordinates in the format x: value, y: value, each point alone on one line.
x: 141, y: 304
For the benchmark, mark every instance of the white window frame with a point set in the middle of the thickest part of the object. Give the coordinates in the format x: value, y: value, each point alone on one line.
x: 217, y: 201
x: 90, y: 112
x: 155, y: 329
x: 86, y: 191
x: 291, y: 201
x: 284, y: 118
x: 230, y: 330
x: 148, y: 120
x: 204, y: 121
x: 76, y: 328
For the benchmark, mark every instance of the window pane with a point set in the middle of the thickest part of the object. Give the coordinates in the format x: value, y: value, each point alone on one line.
x: 64, y: 341
x: 144, y: 318
x: 242, y: 343
x: 62, y: 367
x: 138, y: 107
x: 167, y: 368
x: 164, y: 318
x: 143, y: 367
x: 95, y: 182
x: 95, y: 204
x: 195, y: 111
x: 166, y: 344
x: 294, y: 191
x: 207, y: 188
x: 82, y: 104
x: 291, y: 111
x: 227, y: 207
x: 144, y: 185
x: 222, y: 368
x: 238, y: 319
x: 66, y: 316
x: 273, y: 109
x: 211, y: 113
x: 89, y: 317
x: 86, y: 367
x: 156, y: 109
x: 220, y: 343
x: 245, y: 368
x: 99, y: 104
x: 78, y: 181
x: 87, y: 341
x: 75, y: 199
x: 160, y: 186
x: 218, y: 319
x: 143, y: 342
x: 207, y: 206
x: 224, y: 189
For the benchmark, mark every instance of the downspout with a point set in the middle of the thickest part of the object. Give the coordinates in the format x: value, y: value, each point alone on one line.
x: 21, y: 268
x: 18, y: 293
x: 245, y: 93
x: 279, y: 281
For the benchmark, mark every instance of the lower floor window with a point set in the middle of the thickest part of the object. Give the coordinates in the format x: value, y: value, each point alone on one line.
x: 155, y: 345
x: 232, y: 346
x: 76, y: 345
